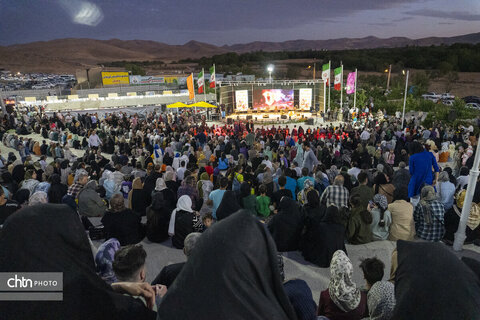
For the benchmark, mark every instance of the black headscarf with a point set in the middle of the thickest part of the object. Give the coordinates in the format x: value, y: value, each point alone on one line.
x: 321, y: 239
x: 286, y: 226
x: 158, y: 218
x: 228, y: 205
x: 21, y: 196
x: 432, y: 283
x: 246, y: 286
x: 51, y: 238
x: 57, y: 189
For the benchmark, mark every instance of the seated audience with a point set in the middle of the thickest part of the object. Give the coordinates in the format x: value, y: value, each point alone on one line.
x: 245, y: 275
x: 30, y: 242
x: 183, y: 221
x: 122, y: 223
x: 373, y: 270
x: 342, y: 299
x: 381, y: 300
x: 286, y: 226
x: 158, y: 219
x: 401, y: 210
x: 440, y: 285
x: 169, y: 273
x: 359, y: 230
x: 322, y: 238
x: 428, y: 216
x: 381, y: 217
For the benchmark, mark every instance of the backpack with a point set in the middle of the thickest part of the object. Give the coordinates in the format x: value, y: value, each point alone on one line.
x: 235, y: 183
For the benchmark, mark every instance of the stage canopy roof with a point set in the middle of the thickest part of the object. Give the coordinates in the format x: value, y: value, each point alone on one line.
x: 178, y: 105
x: 202, y: 104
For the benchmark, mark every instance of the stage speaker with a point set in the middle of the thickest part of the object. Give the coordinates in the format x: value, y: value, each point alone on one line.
x: 249, y: 117
x: 310, y: 122
x: 229, y: 121
x: 452, y: 115
x: 284, y: 116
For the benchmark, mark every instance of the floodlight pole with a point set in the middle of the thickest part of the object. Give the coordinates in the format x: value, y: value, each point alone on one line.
x: 467, y: 204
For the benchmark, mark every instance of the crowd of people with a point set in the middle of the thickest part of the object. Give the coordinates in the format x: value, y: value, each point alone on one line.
x: 234, y: 197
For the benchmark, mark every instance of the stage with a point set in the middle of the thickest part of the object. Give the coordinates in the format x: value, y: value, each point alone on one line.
x: 276, y: 117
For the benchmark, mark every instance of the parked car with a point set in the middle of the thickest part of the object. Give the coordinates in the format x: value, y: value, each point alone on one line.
x: 447, y: 96
x: 447, y: 102
x: 473, y: 105
x: 432, y: 96
x: 473, y: 99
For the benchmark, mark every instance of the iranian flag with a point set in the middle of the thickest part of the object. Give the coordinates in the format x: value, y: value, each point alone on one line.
x: 212, y: 77
x: 200, y: 82
x: 326, y: 72
x: 338, y: 78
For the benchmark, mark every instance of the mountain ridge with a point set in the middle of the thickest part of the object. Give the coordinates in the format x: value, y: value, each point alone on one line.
x: 70, y: 54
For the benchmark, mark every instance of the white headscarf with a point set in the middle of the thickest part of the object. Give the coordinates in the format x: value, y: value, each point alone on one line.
x: 184, y: 203
x: 160, y: 184
x: 343, y: 291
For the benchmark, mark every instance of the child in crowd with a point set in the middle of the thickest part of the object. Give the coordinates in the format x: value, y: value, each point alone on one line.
x: 207, y: 220
x: 263, y: 202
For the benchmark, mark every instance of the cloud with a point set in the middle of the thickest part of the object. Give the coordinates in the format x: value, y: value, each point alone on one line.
x: 211, y: 15
x: 82, y: 12
x: 446, y: 23
x: 452, y: 15
x: 381, y: 24
x: 402, y: 19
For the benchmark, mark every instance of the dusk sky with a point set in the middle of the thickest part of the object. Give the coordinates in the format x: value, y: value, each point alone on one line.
x: 233, y: 21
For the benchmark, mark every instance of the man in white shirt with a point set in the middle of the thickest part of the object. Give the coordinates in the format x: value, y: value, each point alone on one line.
x: 365, y: 136
x: 267, y: 163
x: 354, y: 171
x: 94, y: 141
x: 181, y: 171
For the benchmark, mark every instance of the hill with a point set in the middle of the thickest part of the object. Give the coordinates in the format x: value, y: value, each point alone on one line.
x: 67, y: 55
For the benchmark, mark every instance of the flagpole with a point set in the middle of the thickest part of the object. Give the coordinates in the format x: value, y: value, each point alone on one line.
x: 341, y: 87
x: 204, y: 86
x: 355, y: 93
x: 194, y: 98
x: 328, y: 81
x: 215, y: 71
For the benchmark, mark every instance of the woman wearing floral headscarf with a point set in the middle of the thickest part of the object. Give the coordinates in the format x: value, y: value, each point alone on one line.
x: 308, y: 185
x: 382, y: 219
x: 342, y: 299
x: 381, y: 300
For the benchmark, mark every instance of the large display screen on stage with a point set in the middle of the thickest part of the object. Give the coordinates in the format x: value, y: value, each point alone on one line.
x: 273, y: 99
x: 241, y: 100
x: 305, y: 99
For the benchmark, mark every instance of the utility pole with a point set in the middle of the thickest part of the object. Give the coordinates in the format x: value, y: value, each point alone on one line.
x: 467, y: 204
x: 4, y: 109
x: 405, y: 98
x: 388, y: 77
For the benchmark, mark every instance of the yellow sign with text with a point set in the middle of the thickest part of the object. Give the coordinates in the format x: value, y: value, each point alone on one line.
x: 115, y: 78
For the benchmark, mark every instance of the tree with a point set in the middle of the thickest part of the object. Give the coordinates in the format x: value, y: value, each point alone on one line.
x: 292, y: 72
x: 421, y: 81
x: 451, y: 77
x: 135, y: 69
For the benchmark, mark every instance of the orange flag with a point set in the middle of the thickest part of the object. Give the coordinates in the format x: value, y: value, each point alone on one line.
x: 191, y: 92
